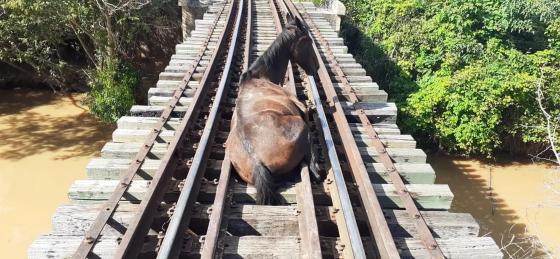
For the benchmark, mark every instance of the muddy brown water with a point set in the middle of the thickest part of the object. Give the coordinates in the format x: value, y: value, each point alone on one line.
x: 517, y: 203
x: 47, y: 140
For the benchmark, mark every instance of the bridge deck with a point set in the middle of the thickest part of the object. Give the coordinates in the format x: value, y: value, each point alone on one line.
x: 456, y: 233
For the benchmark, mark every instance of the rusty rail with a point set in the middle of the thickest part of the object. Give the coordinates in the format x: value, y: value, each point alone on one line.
x: 347, y: 225
x: 170, y: 247
x: 133, y: 238
x: 309, y: 231
x: 217, y: 216
x: 379, y: 228
x: 104, y: 215
x: 423, y: 231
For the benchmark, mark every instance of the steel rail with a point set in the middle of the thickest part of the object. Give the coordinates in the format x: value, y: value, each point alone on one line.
x: 309, y: 231
x: 170, y: 247
x: 347, y: 225
x: 248, y: 38
x: 351, y: 227
x: 133, y: 238
x: 109, y: 207
x: 218, y: 207
x: 423, y: 230
x: 386, y: 247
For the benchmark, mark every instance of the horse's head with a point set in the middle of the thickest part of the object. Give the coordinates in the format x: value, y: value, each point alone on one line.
x: 301, y: 49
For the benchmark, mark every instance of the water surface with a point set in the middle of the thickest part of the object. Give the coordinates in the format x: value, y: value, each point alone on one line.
x: 512, y: 200
x: 46, y: 141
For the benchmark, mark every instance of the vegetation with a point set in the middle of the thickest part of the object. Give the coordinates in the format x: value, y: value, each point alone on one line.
x: 67, y: 44
x: 111, y: 93
x: 464, y: 73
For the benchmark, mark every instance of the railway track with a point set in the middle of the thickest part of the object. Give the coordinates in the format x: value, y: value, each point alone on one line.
x: 164, y: 187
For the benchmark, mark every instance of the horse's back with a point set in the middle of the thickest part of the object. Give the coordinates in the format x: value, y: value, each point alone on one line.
x: 271, y: 123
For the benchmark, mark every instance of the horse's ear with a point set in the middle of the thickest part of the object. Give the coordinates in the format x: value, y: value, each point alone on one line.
x: 289, y: 17
x: 300, y: 24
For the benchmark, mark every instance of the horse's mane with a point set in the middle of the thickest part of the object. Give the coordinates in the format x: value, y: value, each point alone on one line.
x: 270, y: 55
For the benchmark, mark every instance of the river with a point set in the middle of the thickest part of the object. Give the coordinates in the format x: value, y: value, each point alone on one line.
x: 47, y: 140
x: 516, y: 202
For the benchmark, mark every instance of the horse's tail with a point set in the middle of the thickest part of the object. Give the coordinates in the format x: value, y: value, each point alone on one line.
x: 265, y: 184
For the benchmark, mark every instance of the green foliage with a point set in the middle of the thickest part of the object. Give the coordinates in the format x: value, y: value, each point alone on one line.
x: 111, y: 94
x: 35, y: 37
x: 464, y: 73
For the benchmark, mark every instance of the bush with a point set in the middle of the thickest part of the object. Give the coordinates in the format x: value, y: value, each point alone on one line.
x: 112, y: 88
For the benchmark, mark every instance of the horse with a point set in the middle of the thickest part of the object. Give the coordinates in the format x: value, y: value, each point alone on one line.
x: 269, y: 135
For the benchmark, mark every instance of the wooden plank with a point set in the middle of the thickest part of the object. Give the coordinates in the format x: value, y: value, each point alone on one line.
x: 428, y: 196
x: 138, y: 135
x: 102, y: 168
x: 478, y: 247
x: 247, y: 219
x: 369, y: 154
x: 56, y: 246
x: 386, y: 110
x: 391, y: 141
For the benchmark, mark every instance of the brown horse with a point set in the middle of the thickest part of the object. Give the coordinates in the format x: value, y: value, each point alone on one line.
x: 269, y: 136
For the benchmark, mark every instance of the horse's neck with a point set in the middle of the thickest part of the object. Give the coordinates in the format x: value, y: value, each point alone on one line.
x: 272, y: 65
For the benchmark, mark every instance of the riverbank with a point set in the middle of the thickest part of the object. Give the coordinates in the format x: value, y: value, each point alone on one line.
x: 46, y: 141
x: 514, y: 201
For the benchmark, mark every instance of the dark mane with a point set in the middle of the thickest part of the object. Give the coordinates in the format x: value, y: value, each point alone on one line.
x: 271, y: 54
x: 269, y: 59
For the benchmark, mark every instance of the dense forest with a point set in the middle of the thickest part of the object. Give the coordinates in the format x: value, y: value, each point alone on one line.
x: 467, y: 75
x: 470, y: 77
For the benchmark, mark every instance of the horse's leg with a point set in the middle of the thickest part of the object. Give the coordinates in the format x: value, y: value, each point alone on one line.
x: 311, y: 159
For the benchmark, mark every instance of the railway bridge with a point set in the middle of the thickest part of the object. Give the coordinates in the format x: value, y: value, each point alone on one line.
x: 164, y: 188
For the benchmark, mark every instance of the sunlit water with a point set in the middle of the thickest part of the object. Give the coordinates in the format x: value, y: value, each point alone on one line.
x: 517, y: 201
x: 46, y: 141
